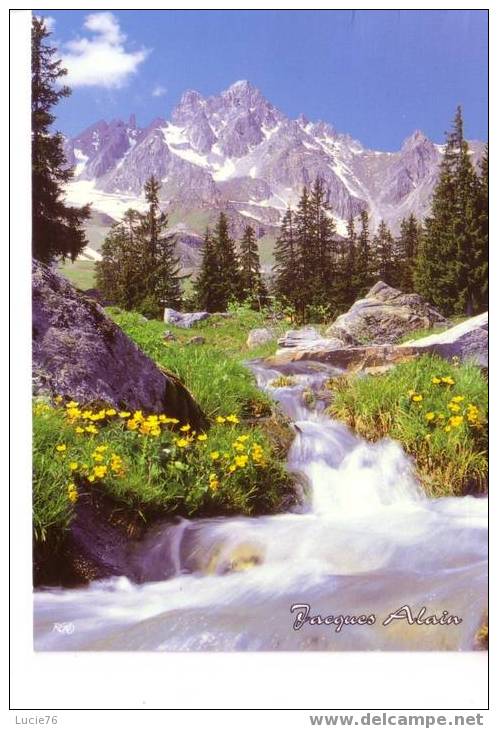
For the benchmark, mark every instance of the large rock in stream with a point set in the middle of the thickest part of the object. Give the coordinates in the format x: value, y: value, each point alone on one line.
x: 383, y: 316
x: 78, y: 352
x: 468, y: 341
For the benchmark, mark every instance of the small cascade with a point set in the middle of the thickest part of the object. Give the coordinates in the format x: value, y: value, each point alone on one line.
x: 368, y: 543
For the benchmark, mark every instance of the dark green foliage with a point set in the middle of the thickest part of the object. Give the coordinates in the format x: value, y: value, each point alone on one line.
x: 219, y: 281
x: 451, y: 269
x: 406, y: 249
x: 285, y: 261
x: 385, y: 267
x: 57, y: 227
x: 206, y: 284
x: 363, y: 274
x: 252, y: 288
x: 139, y: 269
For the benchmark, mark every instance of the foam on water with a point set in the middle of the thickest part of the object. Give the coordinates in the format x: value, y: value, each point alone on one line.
x: 368, y: 543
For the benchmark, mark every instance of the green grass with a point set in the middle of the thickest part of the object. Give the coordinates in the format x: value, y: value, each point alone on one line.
x: 447, y: 440
x: 79, y: 273
x: 148, y: 466
x: 166, y: 471
x: 213, y: 372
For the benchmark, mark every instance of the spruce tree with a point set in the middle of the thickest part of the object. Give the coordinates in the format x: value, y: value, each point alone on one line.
x: 322, y: 248
x: 227, y: 287
x: 450, y: 245
x: 57, y: 228
x: 480, y: 270
x: 160, y: 264
x: 207, y: 283
x: 363, y: 272
x: 384, y: 266
x: 284, y: 269
x: 119, y: 272
x: 347, y: 267
x: 406, y: 249
x: 252, y: 288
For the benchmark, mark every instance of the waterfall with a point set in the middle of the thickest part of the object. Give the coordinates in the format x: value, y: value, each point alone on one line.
x: 367, y: 543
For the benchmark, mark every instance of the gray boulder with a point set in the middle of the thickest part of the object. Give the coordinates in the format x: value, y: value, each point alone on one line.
x: 383, y: 316
x: 308, y: 339
x: 185, y: 321
x: 467, y: 341
x: 78, y: 352
x: 256, y: 337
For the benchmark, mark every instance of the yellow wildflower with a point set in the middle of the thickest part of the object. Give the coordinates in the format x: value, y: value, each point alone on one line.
x: 91, y: 478
x: 61, y: 447
x: 100, y: 471
x: 241, y: 461
x: 138, y: 416
x: 238, y: 447
x: 72, y: 492
x: 458, y: 398
x: 92, y: 429
x: 232, y: 468
x: 417, y: 398
x: 185, y: 428
x: 73, y: 466
x: 72, y: 404
x: 58, y: 399
x: 232, y: 419
x: 456, y: 421
x: 430, y: 416
x: 132, y: 424
x: 98, y: 457
x: 79, y: 429
x: 215, y: 455
x: 436, y: 380
x: 448, y: 380
x: 182, y: 442
x: 220, y: 419
x: 202, y: 437
x: 454, y: 407
x: 124, y: 414
x: 243, y: 438
x: 110, y: 412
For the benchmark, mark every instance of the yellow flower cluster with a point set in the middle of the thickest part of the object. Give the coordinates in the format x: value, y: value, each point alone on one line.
x: 459, y: 414
x: 72, y: 492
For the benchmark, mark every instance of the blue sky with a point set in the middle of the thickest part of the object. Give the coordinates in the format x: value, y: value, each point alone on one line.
x: 377, y: 75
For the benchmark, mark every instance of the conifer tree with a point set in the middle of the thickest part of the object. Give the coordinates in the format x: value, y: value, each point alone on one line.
x: 347, y: 267
x: 284, y: 269
x: 385, y: 266
x: 322, y: 248
x: 139, y: 268
x: 227, y: 286
x: 452, y: 239
x: 406, y: 248
x: 363, y: 273
x: 57, y: 228
x: 207, y: 282
x: 480, y: 271
x: 252, y: 288
x: 160, y: 265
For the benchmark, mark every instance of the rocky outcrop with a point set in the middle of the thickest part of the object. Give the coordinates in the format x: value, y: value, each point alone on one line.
x: 185, y: 321
x: 467, y: 341
x: 383, y: 316
x: 309, y: 339
x: 78, y: 352
x: 256, y: 337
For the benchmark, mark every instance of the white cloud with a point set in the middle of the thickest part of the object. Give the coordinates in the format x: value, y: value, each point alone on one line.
x: 159, y: 90
x: 101, y: 59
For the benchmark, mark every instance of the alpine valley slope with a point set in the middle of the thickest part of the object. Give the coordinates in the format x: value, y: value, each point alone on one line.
x: 238, y: 153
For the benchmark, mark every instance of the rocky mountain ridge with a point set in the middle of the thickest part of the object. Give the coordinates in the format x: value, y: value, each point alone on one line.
x: 237, y: 152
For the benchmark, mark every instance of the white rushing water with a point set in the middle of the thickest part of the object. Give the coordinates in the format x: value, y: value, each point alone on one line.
x: 368, y: 543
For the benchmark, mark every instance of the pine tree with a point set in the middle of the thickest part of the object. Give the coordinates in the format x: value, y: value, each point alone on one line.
x: 451, y: 243
x: 284, y: 269
x: 227, y: 287
x: 119, y: 272
x: 139, y: 269
x: 252, y: 288
x: 322, y: 247
x: 207, y: 283
x: 384, y: 266
x: 57, y: 228
x: 305, y: 258
x: 160, y: 264
x: 480, y: 272
x: 347, y: 267
x: 363, y: 273
x: 406, y: 249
